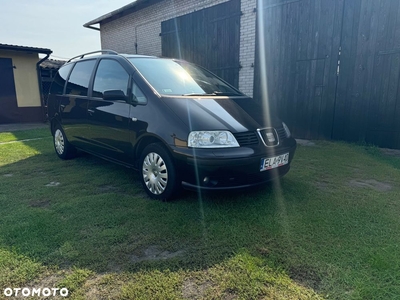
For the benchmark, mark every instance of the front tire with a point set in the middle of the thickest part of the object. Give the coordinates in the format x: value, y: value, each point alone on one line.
x: 158, y: 173
x: 63, y: 148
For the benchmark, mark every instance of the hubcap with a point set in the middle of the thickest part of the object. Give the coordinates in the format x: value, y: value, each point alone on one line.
x: 155, y: 173
x: 59, y: 141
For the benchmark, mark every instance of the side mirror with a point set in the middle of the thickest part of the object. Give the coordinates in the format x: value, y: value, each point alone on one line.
x: 114, y: 95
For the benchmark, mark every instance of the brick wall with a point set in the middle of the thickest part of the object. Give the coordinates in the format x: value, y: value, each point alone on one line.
x: 247, y: 46
x: 143, y: 27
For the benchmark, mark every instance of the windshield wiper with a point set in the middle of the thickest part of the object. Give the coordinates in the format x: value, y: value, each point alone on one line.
x: 215, y: 93
x: 225, y: 94
x: 199, y: 94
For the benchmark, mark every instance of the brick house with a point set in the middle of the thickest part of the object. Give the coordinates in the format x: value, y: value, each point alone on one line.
x: 217, y: 34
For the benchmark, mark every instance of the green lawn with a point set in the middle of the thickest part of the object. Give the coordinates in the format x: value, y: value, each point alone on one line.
x: 330, y: 229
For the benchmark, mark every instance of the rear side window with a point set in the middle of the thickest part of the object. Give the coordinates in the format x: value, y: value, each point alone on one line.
x: 78, y: 81
x: 110, y: 75
x: 57, y: 87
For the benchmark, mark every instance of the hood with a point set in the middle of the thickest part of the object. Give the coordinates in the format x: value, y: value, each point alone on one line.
x: 222, y: 113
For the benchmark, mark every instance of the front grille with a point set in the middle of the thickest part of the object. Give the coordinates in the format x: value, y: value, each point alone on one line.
x: 281, y: 133
x: 251, y: 138
x: 269, y: 137
x: 246, y: 138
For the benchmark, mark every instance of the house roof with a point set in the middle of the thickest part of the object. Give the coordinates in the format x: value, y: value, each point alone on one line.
x: 52, y: 64
x: 25, y: 49
x: 120, y: 12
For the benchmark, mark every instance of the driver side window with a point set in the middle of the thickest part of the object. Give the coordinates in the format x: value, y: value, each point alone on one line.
x: 110, y: 75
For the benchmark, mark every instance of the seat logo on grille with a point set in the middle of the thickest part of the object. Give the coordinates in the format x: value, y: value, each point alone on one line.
x: 269, y: 136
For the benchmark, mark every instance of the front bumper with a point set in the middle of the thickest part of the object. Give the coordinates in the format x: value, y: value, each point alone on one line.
x: 234, y: 168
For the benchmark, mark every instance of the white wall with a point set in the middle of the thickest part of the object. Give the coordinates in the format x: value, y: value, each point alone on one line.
x: 25, y: 77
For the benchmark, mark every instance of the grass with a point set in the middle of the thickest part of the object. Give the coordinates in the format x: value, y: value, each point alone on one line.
x: 327, y: 230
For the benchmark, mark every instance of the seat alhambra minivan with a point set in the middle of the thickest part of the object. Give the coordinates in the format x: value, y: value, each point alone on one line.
x: 176, y: 123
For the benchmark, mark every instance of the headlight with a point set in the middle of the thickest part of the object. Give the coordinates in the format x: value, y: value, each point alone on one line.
x: 212, y: 139
x: 288, y: 134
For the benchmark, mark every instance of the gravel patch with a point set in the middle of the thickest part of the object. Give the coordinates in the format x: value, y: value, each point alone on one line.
x: 305, y: 142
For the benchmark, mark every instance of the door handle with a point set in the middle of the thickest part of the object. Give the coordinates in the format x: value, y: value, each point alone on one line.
x: 90, y: 111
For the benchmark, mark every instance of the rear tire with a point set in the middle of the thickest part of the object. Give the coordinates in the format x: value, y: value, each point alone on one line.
x: 63, y: 148
x: 158, y: 173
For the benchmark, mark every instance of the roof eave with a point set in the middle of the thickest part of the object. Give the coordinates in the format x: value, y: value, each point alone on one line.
x: 25, y: 49
x: 120, y: 12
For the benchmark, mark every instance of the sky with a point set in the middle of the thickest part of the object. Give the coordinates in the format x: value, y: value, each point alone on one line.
x: 54, y: 24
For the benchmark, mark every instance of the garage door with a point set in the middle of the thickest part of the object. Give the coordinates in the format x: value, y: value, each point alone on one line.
x: 209, y: 37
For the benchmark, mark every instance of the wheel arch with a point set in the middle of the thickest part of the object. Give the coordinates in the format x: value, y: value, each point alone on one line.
x: 54, y: 121
x: 147, y: 140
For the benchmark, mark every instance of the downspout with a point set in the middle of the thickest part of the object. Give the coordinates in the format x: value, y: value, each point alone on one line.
x: 42, y: 104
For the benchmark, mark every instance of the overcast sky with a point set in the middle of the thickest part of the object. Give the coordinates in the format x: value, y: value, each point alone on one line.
x: 54, y: 24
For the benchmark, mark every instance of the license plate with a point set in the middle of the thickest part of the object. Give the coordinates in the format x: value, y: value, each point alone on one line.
x: 274, y: 162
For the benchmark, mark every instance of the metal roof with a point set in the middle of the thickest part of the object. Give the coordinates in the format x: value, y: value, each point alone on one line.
x: 120, y: 12
x: 52, y: 64
x: 25, y: 49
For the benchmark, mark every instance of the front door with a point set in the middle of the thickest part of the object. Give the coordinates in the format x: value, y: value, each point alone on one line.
x: 109, y: 120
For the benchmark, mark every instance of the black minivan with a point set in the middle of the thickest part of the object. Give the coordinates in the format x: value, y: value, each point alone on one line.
x: 175, y: 122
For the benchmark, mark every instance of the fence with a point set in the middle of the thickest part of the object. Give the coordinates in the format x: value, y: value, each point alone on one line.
x: 332, y: 67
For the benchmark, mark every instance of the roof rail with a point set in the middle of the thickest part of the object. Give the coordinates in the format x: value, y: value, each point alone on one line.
x: 98, y: 51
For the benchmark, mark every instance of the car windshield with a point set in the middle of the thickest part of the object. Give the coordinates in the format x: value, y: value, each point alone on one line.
x: 178, y: 78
